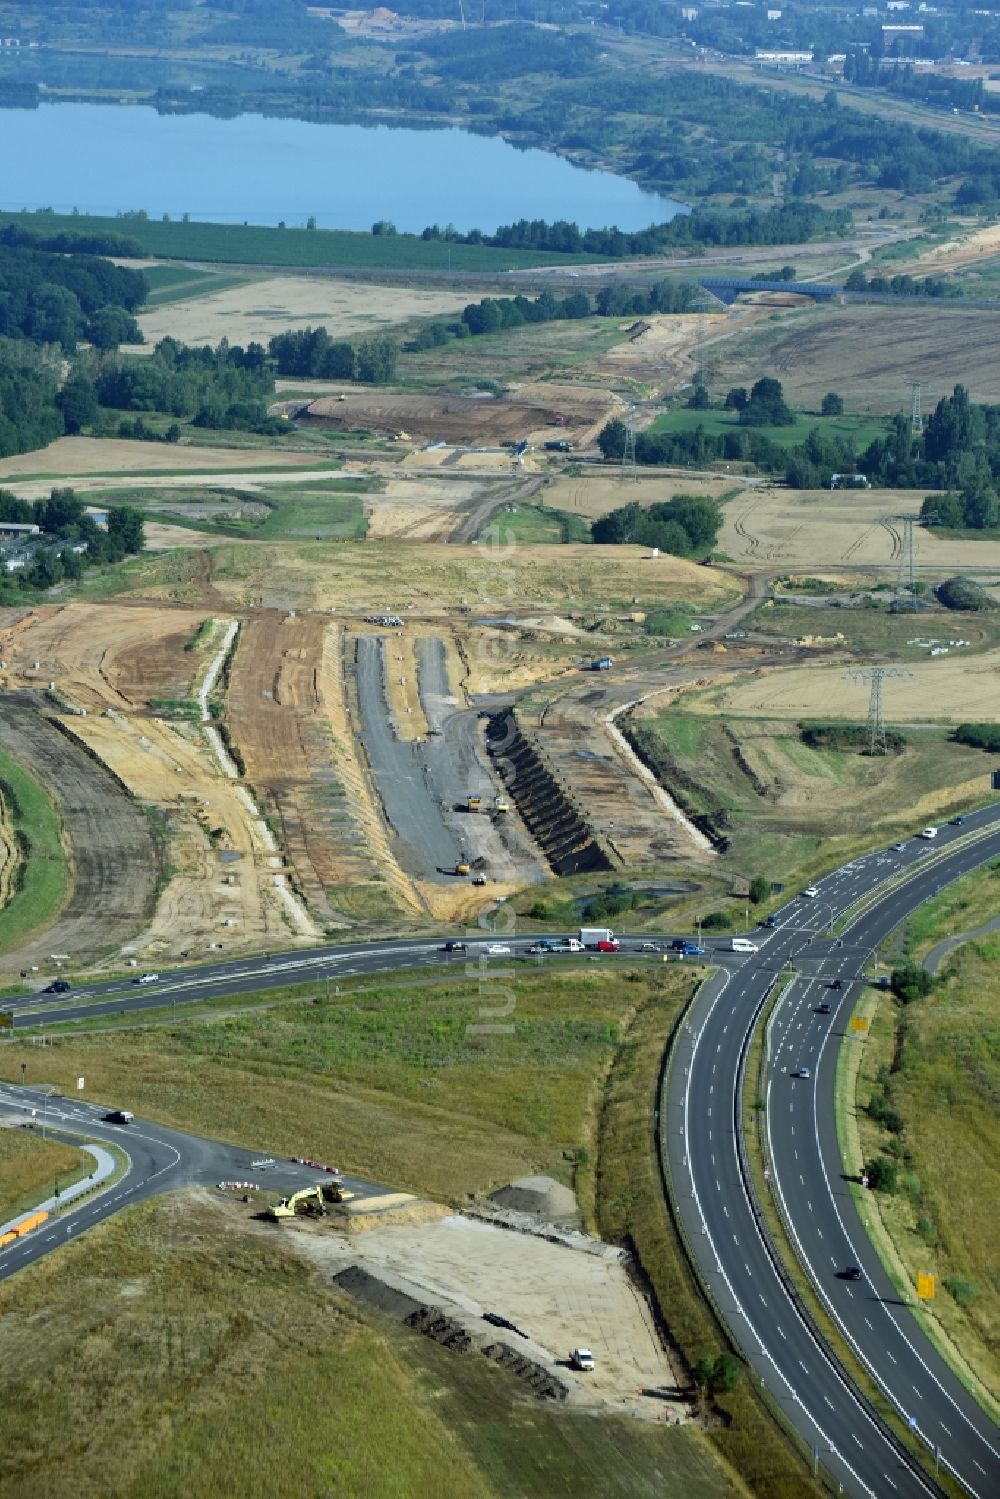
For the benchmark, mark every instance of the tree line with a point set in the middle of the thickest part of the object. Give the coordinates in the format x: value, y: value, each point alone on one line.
x: 785, y: 223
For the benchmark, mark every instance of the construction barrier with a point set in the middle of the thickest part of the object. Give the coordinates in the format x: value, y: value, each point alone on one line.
x: 25, y: 1227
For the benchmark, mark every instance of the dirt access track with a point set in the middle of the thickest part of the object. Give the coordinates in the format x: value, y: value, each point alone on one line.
x: 113, y: 856
x: 462, y: 420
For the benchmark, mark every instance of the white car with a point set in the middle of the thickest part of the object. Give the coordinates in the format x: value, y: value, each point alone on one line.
x: 147, y: 978
x: 810, y: 892
x: 498, y: 950
x: 801, y: 1072
x: 582, y: 1360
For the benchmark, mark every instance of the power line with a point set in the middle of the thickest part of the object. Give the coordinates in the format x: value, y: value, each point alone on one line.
x: 916, y: 414
x: 877, y: 744
x: 629, y: 468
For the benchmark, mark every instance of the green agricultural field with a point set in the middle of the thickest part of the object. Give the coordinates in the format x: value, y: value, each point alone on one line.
x: 859, y: 431
x: 41, y: 880
x: 168, y: 283
x: 253, y: 244
x: 323, y: 510
x: 181, y: 1348
x: 396, y: 1084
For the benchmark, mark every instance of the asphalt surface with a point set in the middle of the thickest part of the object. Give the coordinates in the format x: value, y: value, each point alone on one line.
x: 159, y: 1160
x: 424, y: 844
x: 698, y: 1123
x: 715, y: 1198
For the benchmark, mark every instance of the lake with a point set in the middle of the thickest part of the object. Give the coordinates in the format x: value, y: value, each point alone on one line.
x: 104, y: 159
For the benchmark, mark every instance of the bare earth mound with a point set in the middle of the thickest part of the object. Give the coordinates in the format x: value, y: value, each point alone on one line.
x: 541, y: 1197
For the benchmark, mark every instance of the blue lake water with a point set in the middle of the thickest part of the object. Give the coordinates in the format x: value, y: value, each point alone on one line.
x: 104, y: 159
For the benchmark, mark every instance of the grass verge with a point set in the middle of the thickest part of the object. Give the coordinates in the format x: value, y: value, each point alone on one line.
x: 30, y: 1169
x: 42, y: 878
x: 394, y: 1083
x: 922, y: 1095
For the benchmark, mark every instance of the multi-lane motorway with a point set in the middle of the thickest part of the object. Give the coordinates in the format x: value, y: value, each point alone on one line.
x: 700, y: 1132
x: 714, y: 1196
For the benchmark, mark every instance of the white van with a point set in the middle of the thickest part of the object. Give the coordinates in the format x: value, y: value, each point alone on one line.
x: 743, y: 944
x: 929, y: 833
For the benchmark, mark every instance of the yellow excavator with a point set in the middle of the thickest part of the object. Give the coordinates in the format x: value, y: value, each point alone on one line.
x: 311, y: 1201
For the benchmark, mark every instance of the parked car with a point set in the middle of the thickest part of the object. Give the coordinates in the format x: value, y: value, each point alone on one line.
x: 582, y: 1360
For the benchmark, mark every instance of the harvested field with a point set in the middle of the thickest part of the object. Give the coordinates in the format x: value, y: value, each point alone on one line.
x: 942, y: 691
x: 276, y: 304
x: 465, y: 420
x: 592, y: 495
x: 73, y: 457
x: 815, y: 529
x: 869, y: 353
x: 111, y: 846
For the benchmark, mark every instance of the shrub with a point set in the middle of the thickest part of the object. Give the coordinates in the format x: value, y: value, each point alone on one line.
x: 760, y: 888
x: 926, y: 1229
x: 963, y: 1291
x: 964, y: 594
x: 910, y: 982
x: 717, y: 921
x: 980, y: 735
x: 881, y: 1175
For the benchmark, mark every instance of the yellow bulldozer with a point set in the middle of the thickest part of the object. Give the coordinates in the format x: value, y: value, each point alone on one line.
x: 311, y: 1201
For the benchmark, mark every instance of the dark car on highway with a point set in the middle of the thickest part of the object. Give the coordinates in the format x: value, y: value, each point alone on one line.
x: 853, y: 1272
x: 453, y: 947
x: 824, y: 1009
x: 57, y: 986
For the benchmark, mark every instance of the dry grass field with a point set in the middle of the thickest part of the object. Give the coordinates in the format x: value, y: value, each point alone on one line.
x: 433, y: 578
x: 592, y: 495
x: 259, y: 309
x: 868, y: 353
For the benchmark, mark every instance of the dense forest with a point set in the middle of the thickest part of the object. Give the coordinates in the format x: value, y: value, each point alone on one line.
x: 58, y: 299
x: 686, y: 526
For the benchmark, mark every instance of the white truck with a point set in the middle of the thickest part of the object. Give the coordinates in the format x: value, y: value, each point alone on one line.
x: 593, y: 936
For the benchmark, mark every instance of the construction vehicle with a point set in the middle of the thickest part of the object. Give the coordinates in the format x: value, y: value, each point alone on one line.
x: 462, y: 867
x: 473, y: 803
x: 500, y: 803
x: 311, y: 1201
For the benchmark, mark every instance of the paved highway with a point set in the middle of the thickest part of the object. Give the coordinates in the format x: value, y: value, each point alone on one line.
x: 158, y: 1160
x: 714, y: 1196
